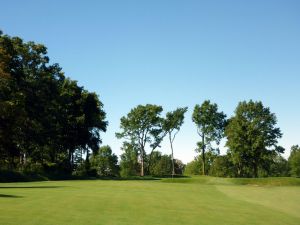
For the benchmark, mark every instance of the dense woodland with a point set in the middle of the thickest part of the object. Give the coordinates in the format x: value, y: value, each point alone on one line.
x: 51, y: 127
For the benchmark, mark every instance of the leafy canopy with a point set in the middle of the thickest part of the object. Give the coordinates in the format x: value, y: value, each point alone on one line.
x: 209, y: 121
x: 252, y: 136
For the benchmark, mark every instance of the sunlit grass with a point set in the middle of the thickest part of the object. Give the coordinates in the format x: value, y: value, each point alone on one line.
x: 196, y: 200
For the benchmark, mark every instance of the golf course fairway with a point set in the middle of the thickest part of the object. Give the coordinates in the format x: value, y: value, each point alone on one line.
x: 184, y: 201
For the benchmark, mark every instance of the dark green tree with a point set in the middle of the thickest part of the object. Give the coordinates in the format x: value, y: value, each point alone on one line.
x: 129, y: 164
x: 222, y: 166
x: 44, y: 116
x: 294, y: 161
x: 105, y: 162
x: 179, y: 167
x: 194, y: 167
x: 161, y: 164
x: 279, y: 167
x: 171, y: 125
x: 210, y: 126
x: 252, y: 136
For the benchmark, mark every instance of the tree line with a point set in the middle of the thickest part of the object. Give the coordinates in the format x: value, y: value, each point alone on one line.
x: 46, y: 118
x: 49, y: 124
x: 251, y: 138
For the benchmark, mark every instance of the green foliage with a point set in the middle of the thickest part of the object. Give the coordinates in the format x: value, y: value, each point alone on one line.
x: 294, y: 161
x: 252, y: 137
x: 193, y: 168
x: 278, y: 167
x: 105, y: 162
x: 48, y: 122
x: 210, y: 123
x: 142, y: 126
x: 171, y: 125
x: 174, y: 120
x: 210, y: 126
x: 129, y: 164
x: 161, y: 164
x: 81, y: 170
x: 222, y: 166
x: 179, y: 167
x: 7, y: 176
x: 45, y: 117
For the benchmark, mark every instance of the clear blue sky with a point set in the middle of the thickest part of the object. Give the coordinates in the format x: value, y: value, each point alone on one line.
x: 172, y: 53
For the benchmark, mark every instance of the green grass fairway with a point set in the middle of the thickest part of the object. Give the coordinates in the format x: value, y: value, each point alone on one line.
x: 198, y: 200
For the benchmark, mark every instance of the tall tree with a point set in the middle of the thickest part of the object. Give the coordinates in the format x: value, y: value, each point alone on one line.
x: 43, y: 114
x: 105, y: 162
x: 252, y: 136
x: 294, y: 161
x: 210, y: 126
x: 171, y: 125
x: 142, y: 126
x: 210, y: 155
x: 129, y: 164
x: 161, y: 165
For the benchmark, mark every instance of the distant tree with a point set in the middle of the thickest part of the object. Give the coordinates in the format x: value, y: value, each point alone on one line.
x: 252, y: 136
x: 179, y: 167
x: 222, y: 166
x: 279, y: 167
x: 161, y: 165
x: 155, y: 159
x: 294, y: 161
x: 210, y: 155
x: 129, y: 164
x: 171, y: 125
x: 142, y: 126
x: 210, y: 126
x: 273, y: 164
x: 105, y: 162
x: 194, y: 167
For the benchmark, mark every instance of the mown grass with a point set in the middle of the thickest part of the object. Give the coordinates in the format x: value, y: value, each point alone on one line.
x: 272, y: 181
x: 196, y: 200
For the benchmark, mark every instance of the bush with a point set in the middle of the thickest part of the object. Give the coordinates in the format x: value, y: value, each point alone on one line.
x: 15, y: 176
x: 33, y: 168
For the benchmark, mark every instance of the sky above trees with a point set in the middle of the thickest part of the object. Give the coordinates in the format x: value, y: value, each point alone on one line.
x: 174, y: 54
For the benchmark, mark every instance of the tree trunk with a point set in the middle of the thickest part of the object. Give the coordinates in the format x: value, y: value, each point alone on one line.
x: 255, y: 170
x: 142, y: 162
x: 173, y: 166
x: 87, y: 155
x: 87, y: 160
x: 203, y: 156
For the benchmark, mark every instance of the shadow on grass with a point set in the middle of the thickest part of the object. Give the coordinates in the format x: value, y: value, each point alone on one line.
x: 30, y: 187
x: 9, y: 196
